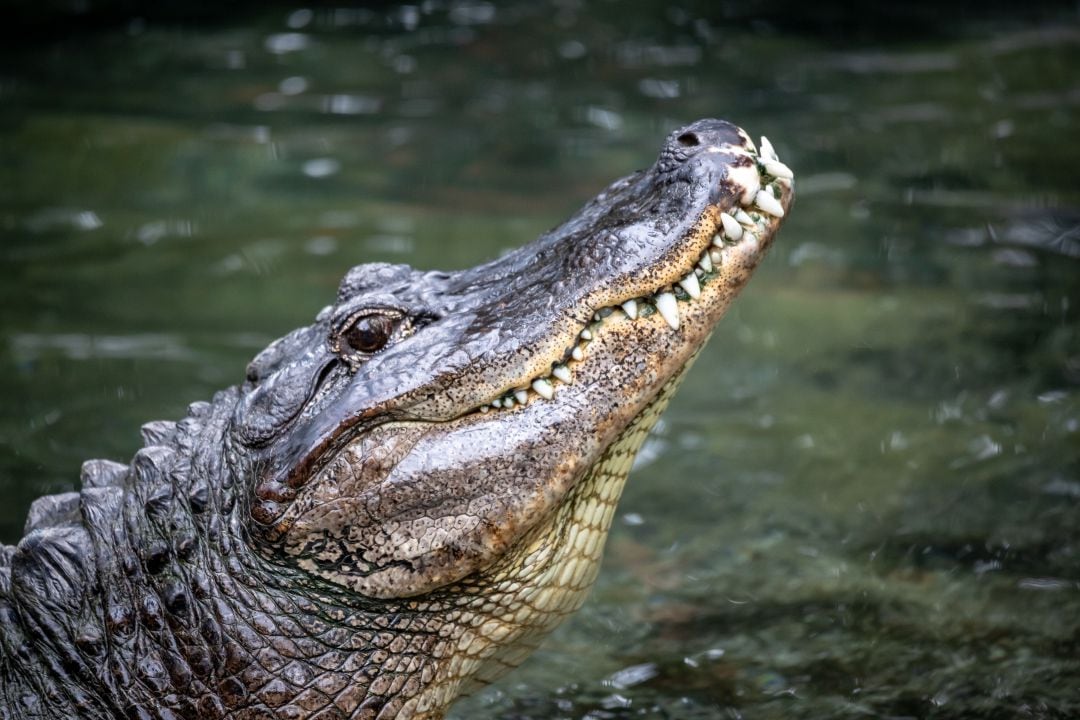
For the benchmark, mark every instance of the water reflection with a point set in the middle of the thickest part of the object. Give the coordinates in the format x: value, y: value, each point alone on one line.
x: 321, y: 167
x: 27, y: 348
x: 57, y: 219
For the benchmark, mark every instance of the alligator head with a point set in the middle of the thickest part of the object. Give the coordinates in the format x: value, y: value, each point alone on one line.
x: 431, y: 468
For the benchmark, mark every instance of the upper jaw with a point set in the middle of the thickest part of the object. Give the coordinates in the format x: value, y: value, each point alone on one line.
x: 510, y: 329
x: 653, y: 232
x: 716, y: 207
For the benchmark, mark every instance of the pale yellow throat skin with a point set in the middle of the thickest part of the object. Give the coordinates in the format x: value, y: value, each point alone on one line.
x: 505, y: 614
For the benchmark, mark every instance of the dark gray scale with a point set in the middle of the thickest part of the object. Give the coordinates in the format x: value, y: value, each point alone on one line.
x: 54, y: 584
x: 102, y: 473
x: 52, y: 569
x: 158, y: 517
x: 6, y: 553
x: 51, y: 511
x: 102, y: 510
x: 158, y: 432
x: 150, y: 465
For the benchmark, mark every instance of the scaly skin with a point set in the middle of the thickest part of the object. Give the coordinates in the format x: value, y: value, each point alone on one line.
x: 403, y: 498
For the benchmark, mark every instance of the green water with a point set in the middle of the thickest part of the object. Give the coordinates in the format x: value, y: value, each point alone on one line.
x: 865, y: 501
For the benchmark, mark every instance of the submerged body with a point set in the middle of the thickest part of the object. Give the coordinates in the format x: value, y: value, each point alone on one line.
x: 403, y: 498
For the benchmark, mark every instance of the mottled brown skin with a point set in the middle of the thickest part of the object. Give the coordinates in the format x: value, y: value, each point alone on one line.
x: 354, y: 534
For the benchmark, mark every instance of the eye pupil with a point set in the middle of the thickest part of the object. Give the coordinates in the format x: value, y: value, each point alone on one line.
x: 368, y: 334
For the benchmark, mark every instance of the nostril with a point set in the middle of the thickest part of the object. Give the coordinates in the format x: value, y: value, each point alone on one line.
x: 689, y: 139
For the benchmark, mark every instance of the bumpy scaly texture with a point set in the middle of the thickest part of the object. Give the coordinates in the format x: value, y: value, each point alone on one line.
x: 367, y: 532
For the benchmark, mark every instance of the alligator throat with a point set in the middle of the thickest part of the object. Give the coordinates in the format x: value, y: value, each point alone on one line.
x: 402, y: 499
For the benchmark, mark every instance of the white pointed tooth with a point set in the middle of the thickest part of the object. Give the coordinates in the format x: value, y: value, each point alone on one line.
x: 705, y: 263
x: 497, y: 402
x: 745, y: 181
x: 691, y: 285
x: 669, y: 308
x: 522, y: 396
x: 743, y: 218
x: 778, y: 169
x: 563, y: 373
x: 508, y: 402
x: 630, y: 308
x: 765, y: 200
x: 586, y: 334
x: 731, y: 226
x: 485, y: 408
x: 751, y: 241
x: 577, y: 353
x: 767, y: 150
x: 543, y: 388
x: 716, y: 256
x: 718, y: 240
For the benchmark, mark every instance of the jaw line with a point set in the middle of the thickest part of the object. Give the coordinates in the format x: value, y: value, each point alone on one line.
x: 733, y: 261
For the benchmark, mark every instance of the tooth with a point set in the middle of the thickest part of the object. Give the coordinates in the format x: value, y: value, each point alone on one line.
x: 586, y: 335
x: 630, y: 308
x: 563, y: 373
x: 765, y: 200
x: 778, y: 169
x: 751, y: 241
x: 731, y: 226
x: 691, y: 286
x: 767, y: 150
x: 497, y: 402
x: 485, y: 408
x: 745, y: 181
x: 716, y: 256
x: 718, y: 240
x: 543, y: 388
x: 596, y: 317
x: 508, y: 402
x: 743, y: 218
x: 706, y: 263
x: 669, y: 308
x: 522, y: 396
x: 577, y: 353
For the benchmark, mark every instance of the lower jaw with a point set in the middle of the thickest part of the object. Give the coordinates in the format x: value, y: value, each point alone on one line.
x: 549, y: 573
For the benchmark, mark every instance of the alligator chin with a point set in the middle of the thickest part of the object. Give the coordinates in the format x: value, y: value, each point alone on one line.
x: 404, y: 497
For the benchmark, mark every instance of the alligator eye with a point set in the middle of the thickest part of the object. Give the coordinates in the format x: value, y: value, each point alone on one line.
x: 367, y: 333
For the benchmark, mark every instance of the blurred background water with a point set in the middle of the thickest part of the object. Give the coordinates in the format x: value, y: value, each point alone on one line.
x: 865, y: 502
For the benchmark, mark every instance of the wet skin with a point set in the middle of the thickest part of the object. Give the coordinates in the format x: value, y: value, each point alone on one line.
x: 402, y: 498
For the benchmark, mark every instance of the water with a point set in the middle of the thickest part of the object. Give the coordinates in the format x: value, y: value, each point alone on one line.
x: 866, y: 499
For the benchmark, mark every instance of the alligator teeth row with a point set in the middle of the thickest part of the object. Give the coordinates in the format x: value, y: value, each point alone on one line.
x: 742, y: 225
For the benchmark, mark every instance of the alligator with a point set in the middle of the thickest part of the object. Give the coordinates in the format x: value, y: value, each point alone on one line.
x: 403, y: 498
